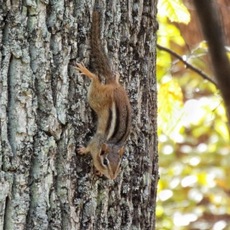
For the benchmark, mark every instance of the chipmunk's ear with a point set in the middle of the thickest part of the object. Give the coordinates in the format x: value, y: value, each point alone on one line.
x: 121, y: 151
x: 104, y: 149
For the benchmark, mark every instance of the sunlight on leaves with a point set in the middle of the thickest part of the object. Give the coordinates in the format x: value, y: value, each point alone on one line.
x: 165, y: 194
x: 175, y: 10
x: 170, y: 113
x: 168, y: 33
x: 180, y: 219
x: 194, y: 142
x: 220, y: 225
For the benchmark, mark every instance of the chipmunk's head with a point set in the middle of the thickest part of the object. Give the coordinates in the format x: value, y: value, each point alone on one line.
x: 110, y: 159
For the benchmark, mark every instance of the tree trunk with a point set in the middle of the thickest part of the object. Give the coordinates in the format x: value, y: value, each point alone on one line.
x: 44, y: 116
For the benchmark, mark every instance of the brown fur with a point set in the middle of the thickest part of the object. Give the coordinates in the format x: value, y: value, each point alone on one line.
x: 111, y: 104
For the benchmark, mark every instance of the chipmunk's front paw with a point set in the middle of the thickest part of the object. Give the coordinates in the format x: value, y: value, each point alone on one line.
x: 81, y: 68
x: 97, y: 172
x: 82, y: 150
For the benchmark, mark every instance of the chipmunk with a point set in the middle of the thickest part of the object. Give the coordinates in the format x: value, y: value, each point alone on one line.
x: 111, y: 104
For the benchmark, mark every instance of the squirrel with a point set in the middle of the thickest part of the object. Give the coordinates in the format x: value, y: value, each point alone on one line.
x: 112, y: 106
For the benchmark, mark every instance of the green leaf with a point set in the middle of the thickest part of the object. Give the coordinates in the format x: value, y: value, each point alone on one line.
x: 175, y: 10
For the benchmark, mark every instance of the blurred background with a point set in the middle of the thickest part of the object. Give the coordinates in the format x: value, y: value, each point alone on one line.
x: 194, y: 146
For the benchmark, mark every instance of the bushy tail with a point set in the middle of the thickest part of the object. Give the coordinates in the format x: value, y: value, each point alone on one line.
x: 99, y: 59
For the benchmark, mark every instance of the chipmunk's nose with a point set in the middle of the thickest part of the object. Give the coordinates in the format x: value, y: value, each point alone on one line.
x: 112, y: 176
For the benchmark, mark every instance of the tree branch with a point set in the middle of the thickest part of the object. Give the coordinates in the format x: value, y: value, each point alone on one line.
x: 193, y: 68
x: 212, y: 30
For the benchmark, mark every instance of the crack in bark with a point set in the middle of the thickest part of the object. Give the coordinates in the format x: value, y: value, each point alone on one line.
x: 6, y: 213
x: 10, y: 107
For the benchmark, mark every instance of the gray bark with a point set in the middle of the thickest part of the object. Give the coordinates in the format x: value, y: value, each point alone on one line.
x: 44, y: 116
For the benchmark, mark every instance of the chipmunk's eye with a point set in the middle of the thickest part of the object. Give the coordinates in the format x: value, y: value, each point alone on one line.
x: 105, y: 161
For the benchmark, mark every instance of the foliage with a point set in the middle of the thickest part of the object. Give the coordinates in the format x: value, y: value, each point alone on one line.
x: 194, y: 187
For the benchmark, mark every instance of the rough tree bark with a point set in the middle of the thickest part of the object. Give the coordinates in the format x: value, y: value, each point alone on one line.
x: 44, y: 116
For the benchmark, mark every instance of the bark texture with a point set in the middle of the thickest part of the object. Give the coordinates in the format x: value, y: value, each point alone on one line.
x: 44, y: 116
